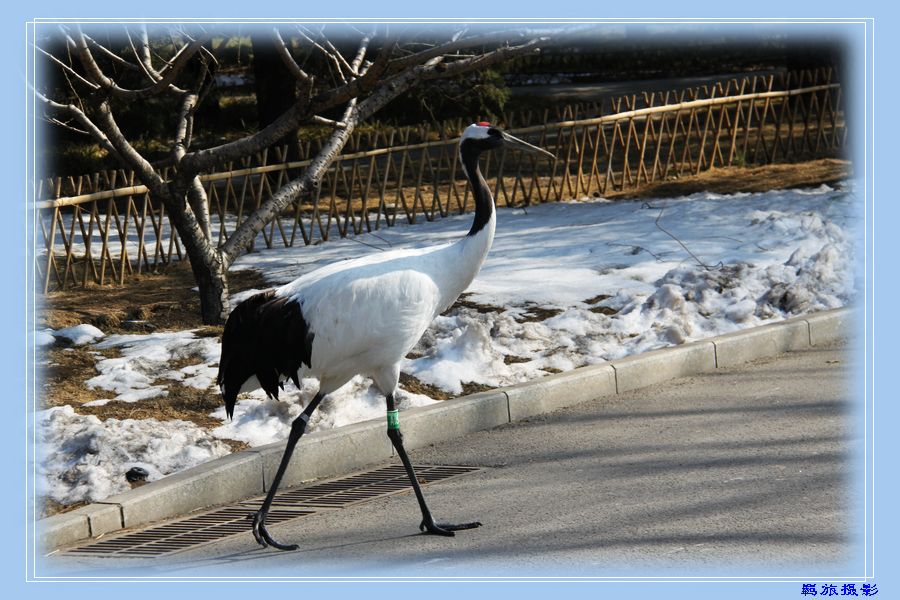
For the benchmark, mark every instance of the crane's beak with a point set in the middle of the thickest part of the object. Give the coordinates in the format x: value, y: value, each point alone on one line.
x: 517, y: 144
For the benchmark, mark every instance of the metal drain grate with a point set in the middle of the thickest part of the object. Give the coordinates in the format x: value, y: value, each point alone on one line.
x: 361, y: 487
x: 183, y: 534
x: 290, y: 504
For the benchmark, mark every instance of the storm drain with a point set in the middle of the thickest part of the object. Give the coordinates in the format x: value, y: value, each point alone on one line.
x: 289, y: 504
x: 182, y: 534
x: 361, y: 487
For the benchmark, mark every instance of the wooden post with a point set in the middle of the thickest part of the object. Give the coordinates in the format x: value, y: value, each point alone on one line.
x: 51, y: 261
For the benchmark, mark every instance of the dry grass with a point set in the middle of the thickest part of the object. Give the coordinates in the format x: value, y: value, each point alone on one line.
x: 157, y: 301
x: 464, y: 302
x: 537, y: 313
x: 470, y: 387
x: 63, y: 378
x: 64, y: 384
x: 732, y: 180
x: 512, y: 359
x: 414, y: 386
x: 603, y: 310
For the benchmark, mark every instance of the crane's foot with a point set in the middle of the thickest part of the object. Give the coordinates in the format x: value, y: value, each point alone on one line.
x: 446, y: 529
x: 262, y: 534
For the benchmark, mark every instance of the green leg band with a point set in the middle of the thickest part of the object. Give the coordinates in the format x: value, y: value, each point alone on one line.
x: 393, y: 418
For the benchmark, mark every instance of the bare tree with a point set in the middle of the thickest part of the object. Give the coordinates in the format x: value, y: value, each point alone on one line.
x: 360, y: 82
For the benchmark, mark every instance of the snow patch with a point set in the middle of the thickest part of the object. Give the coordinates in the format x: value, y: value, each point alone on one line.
x: 461, y: 354
x: 259, y: 420
x: 44, y: 338
x: 145, y: 358
x: 79, y: 335
x: 85, y: 459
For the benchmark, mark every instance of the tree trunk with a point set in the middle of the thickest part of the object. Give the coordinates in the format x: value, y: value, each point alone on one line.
x: 209, y: 265
x: 211, y: 273
x: 212, y: 279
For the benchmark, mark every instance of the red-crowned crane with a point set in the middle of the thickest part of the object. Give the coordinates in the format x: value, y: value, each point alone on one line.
x: 359, y: 316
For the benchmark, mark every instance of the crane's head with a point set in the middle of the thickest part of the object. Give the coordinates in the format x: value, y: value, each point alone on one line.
x: 484, y: 136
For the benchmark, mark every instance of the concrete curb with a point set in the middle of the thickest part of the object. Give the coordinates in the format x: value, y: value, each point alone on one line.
x: 329, y: 453
x: 661, y: 365
x: 758, y: 342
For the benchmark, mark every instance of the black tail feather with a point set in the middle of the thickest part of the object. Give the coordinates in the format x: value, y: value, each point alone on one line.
x: 267, y: 337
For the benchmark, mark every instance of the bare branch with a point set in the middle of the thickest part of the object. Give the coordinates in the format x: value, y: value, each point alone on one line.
x: 81, y: 118
x: 183, y: 55
x: 183, y: 126
x: 66, y: 126
x: 459, y: 42
x: 74, y: 91
x: 200, y: 206
x: 287, y: 59
x: 343, y: 62
x: 360, y: 85
x: 484, y: 60
x: 357, y: 30
x: 67, y: 68
x: 360, y: 55
x: 183, y: 215
x: 392, y: 87
x: 143, y: 57
x: 146, y: 56
x: 456, y: 44
x: 304, y: 184
x: 186, y: 182
x: 87, y: 60
x: 106, y: 123
x: 288, y: 121
x: 316, y: 119
x: 303, y: 110
x: 331, y: 57
x: 112, y: 55
x: 165, y: 83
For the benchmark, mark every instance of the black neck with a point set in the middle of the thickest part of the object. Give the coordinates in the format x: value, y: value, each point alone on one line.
x: 484, y: 201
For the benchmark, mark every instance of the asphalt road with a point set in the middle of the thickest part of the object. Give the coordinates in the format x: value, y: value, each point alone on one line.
x: 746, y: 471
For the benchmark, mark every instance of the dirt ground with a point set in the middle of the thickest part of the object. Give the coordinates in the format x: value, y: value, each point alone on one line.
x: 165, y: 301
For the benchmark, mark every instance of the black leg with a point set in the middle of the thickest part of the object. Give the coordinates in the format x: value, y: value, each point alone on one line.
x: 428, y: 525
x: 259, y: 518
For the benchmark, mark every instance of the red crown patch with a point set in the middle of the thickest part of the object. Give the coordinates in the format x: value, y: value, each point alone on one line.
x: 484, y: 124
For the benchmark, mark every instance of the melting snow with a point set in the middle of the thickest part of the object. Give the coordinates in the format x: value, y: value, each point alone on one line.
x: 44, y: 338
x: 84, y: 458
x: 78, y: 335
x: 145, y: 359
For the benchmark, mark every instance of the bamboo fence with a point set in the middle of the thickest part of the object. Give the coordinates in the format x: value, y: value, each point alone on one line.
x: 105, y: 227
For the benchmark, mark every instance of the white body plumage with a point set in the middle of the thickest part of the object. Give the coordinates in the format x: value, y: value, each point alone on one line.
x: 366, y: 314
